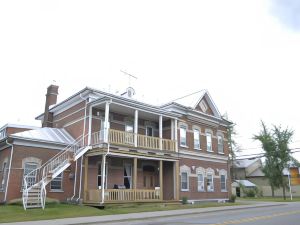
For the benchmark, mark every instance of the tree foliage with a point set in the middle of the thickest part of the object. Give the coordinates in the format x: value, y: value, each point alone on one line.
x: 277, y: 154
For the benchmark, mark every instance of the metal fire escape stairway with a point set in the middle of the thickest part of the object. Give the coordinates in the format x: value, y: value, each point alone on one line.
x: 34, y: 183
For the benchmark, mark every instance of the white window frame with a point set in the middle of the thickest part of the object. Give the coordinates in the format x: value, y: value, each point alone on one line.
x: 200, y: 183
x: 99, y: 164
x: 181, y: 129
x: 209, y: 141
x: 129, y: 133
x: 59, y: 178
x: 187, y: 181
x: 25, y: 172
x: 4, y: 175
x: 199, y: 139
x: 220, y: 144
x: 210, y: 188
x: 129, y: 177
x: 225, y: 182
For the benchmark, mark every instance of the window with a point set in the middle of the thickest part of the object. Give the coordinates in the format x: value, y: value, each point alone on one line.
x: 210, y: 182
x: 56, y: 183
x: 200, y: 182
x: 223, y: 182
x: 196, y: 139
x: 149, y: 131
x: 208, y: 142
x: 127, y: 175
x: 99, y: 175
x: 129, y: 133
x: 28, y: 168
x: 182, y: 136
x: 220, y: 144
x: 4, y: 174
x: 184, y: 181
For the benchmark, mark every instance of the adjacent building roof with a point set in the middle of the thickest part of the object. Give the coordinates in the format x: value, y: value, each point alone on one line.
x: 244, y: 163
x: 46, y: 134
x: 245, y: 183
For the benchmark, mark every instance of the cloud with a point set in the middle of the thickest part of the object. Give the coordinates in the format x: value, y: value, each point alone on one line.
x: 288, y: 12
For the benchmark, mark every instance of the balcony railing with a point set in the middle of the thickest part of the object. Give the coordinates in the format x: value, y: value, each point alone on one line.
x: 127, y: 138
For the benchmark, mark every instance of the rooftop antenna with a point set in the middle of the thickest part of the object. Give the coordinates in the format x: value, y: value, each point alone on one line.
x: 129, y: 77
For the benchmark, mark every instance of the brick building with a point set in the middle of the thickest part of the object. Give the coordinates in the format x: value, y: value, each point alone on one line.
x: 99, y: 148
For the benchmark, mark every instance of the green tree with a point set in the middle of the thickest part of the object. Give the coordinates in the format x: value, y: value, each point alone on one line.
x: 269, y: 147
x: 277, y: 154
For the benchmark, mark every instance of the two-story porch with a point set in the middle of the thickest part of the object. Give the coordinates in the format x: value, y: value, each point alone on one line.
x: 133, y: 156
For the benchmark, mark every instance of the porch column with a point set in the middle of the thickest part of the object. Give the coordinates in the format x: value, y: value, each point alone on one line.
x: 136, y: 126
x: 86, y: 166
x: 160, y: 132
x: 90, y: 125
x: 175, y: 135
x: 106, y: 122
x: 103, y: 178
x: 134, y: 177
x: 176, y: 181
x: 161, y: 179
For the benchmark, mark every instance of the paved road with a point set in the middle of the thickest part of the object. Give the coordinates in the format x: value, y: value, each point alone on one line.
x: 286, y: 214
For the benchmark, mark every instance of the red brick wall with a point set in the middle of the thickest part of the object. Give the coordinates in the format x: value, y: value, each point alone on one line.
x: 193, y: 189
x: 15, y: 184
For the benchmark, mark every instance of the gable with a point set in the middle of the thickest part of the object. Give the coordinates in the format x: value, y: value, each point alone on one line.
x: 206, y: 105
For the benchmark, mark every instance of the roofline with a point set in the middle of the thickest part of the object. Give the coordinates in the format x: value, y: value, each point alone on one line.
x: 37, y: 140
x: 109, y: 95
x: 17, y: 126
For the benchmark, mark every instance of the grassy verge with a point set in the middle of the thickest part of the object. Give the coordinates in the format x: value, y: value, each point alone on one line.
x: 15, y: 213
x: 270, y: 199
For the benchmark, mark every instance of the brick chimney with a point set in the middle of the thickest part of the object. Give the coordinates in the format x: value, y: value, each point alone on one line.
x: 51, y: 99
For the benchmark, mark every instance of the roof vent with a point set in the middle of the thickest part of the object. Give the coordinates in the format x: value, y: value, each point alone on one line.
x: 130, y: 92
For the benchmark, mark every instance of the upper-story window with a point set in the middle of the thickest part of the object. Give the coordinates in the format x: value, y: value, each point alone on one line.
x: 129, y: 136
x: 196, y: 139
x: 2, y: 134
x: 203, y: 106
x: 183, y: 136
x: 220, y: 144
x: 149, y: 131
x: 208, y: 141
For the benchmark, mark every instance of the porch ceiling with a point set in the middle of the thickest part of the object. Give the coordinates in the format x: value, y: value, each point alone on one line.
x: 123, y: 110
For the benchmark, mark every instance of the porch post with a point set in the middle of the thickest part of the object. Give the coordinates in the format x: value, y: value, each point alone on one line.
x: 136, y: 126
x: 103, y: 177
x: 175, y: 135
x: 160, y: 132
x: 176, y: 181
x: 86, y: 166
x: 90, y: 125
x: 106, y: 122
x: 134, y: 177
x: 161, y: 179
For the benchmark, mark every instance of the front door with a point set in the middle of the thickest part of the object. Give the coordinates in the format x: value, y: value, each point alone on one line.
x: 148, y: 180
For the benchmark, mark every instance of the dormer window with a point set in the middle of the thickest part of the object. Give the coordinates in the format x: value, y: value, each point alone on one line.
x: 203, y: 106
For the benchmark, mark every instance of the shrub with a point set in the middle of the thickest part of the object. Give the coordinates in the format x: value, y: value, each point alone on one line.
x: 250, y: 193
x: 184, y: 200
x: 232, y: 198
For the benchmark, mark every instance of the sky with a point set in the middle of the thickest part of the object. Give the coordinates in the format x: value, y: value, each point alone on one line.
x: 244, y: 52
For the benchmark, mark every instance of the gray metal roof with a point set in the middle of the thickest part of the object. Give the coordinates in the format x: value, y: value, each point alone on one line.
x: 246, y: 183
x: 243, y: 163
x: 46, y: 134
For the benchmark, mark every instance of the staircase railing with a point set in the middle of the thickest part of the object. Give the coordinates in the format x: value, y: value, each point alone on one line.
x: 39, y: 177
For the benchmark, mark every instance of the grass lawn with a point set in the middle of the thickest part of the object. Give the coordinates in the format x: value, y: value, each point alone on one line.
x: 270, y: 199
x: 16, y: 213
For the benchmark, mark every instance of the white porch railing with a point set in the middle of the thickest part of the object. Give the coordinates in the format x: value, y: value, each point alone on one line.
x: 127, y: 138
x: 123, y: 195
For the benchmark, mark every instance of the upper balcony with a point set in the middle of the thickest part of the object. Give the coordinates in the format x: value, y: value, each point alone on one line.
x: 132, y: 125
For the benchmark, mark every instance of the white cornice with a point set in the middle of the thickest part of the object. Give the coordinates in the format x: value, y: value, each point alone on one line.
x: 202, y: 156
